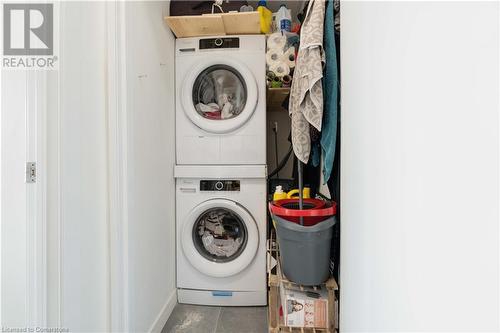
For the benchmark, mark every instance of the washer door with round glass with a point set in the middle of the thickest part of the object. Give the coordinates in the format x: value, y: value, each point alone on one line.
x: 219, y: 238
x: 220, y: 95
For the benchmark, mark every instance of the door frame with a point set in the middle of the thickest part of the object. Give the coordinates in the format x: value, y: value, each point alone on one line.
x: 35, y: 132
x: 117, y: 167
x: 37, y: 199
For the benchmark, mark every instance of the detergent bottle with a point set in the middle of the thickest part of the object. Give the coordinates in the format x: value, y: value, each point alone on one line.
x: 284, y: 19
x: 279, y: 194
x: 306, y: 193
x: 266, y: 17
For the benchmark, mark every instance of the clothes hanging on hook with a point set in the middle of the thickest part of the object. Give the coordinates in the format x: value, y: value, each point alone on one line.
x: 334, y: 181
x: 331, y: 92
x: 301, y: 13
x: 306, y: 93
x: 336, y: 11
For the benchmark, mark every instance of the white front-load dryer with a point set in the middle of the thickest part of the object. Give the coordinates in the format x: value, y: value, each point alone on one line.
x: 220, y: 100
x: 221, y: 235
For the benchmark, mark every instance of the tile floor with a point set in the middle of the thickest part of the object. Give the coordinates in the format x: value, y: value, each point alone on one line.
x: 216, y: 319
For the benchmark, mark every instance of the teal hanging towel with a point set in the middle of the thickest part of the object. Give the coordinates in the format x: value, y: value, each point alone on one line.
x: 330, y: 93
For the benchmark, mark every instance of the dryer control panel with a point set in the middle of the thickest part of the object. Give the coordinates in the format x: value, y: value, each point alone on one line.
x: 220, y: 43
x: 219, y: 185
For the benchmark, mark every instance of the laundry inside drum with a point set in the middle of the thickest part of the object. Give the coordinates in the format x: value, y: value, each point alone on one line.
x: 219, y: 93
x: 220, y: 235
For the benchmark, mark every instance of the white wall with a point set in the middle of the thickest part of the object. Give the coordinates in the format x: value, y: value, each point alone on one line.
x: 420, y: 234
x: 80, y: 157
x: 151, y: 157
x: 95, y: 199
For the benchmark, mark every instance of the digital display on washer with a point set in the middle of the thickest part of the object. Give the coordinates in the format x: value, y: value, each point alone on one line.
x: 219, y: 185
x: 219, y: 43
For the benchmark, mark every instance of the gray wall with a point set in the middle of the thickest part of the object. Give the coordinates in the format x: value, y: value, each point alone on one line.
x: 281, y: 117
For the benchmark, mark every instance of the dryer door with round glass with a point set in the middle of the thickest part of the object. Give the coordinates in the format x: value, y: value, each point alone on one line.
x: 219, y: 95
x: 219, y: 238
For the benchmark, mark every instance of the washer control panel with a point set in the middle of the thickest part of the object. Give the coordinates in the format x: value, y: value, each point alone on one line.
x: 219, y: 185
x: 219, y: 43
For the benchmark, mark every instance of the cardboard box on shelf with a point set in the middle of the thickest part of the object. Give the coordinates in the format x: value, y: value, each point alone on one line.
x: 219, y: 24
x: 304, y: 308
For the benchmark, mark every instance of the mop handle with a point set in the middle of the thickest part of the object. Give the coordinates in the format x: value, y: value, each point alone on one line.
x: 301, y: 189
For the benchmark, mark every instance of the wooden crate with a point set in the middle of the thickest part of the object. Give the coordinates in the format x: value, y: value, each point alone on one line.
x: 275, y: 279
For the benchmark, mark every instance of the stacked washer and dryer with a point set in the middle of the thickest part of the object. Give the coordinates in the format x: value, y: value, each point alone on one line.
x: 221, y: 170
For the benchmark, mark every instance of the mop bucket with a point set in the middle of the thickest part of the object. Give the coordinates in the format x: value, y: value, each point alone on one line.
x: 304, y: 250
x: 313, y: 210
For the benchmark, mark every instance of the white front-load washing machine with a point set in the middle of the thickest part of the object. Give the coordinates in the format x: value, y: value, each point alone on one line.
x: 221, y: 235
x: 220, y: 100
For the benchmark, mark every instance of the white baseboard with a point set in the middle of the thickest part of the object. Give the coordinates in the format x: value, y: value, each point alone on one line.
x: 165, y: 312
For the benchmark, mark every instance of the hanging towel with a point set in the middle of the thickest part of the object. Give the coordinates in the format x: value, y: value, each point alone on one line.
x: 330, y: 88
x: 306, y: 93
x: 336, y: 12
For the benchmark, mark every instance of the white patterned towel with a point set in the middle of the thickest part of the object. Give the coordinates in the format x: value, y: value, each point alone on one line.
x: 306, y: 93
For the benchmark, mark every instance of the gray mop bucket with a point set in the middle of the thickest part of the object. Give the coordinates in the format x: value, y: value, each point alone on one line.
x: 305, y: 251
